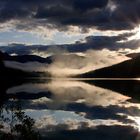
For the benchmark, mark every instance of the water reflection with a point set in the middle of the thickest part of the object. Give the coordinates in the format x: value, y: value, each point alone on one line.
x: 58, y: 109
x: 64, y: 92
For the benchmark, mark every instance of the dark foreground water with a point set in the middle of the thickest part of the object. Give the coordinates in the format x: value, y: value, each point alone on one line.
x: 70, y: 110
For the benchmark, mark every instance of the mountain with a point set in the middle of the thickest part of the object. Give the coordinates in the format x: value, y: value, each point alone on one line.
x: 26, y: 58
x: 133, y: 55
x: 7, y: 73
x: 35, y: 58
x: 126, y: 69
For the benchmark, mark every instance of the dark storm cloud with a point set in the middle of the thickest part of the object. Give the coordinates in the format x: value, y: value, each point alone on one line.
x: 101, y: 14
x: 107, y: 41
x: 84, y: 5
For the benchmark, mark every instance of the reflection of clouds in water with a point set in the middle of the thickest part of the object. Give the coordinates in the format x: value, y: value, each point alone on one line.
x: 70, y: 91
x: 80, y: 104
x: 64, y: 92
x: 47, y: 124
x: 108, y: 127
x: 114, y: 132
x: 59, y: 120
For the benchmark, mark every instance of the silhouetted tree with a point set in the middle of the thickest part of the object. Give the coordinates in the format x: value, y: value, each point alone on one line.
x: 21, y: 125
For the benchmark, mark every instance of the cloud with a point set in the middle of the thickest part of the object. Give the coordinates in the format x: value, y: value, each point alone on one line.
x: 110, y: 42
x: 114, y: 42
x: 89, y: 4
x: 61, y: 14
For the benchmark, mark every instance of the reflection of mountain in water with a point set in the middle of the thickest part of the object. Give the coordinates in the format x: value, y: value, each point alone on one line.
x: 78, y: 110
x: 129, y: 88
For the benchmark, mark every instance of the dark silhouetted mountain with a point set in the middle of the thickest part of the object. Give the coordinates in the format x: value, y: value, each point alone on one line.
x: 133, y: 55
x: 6, y: 72
x: 126, y: 69
x: 1, y: 62
x: 26, y: 58
x: 35, y: 58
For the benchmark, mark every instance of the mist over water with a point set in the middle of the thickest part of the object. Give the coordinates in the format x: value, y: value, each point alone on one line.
x: 66, y: 64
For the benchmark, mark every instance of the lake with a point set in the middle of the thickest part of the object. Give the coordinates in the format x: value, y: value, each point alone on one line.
x: 70, y: 109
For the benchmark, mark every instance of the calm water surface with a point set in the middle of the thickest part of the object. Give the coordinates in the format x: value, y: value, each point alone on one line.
x: 70, y: 109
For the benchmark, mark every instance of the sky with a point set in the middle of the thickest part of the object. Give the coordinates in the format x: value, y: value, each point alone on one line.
x: 67, y: 21
x: 71, y: 26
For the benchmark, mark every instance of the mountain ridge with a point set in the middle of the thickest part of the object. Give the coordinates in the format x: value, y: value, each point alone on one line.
x: 126, y: 69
